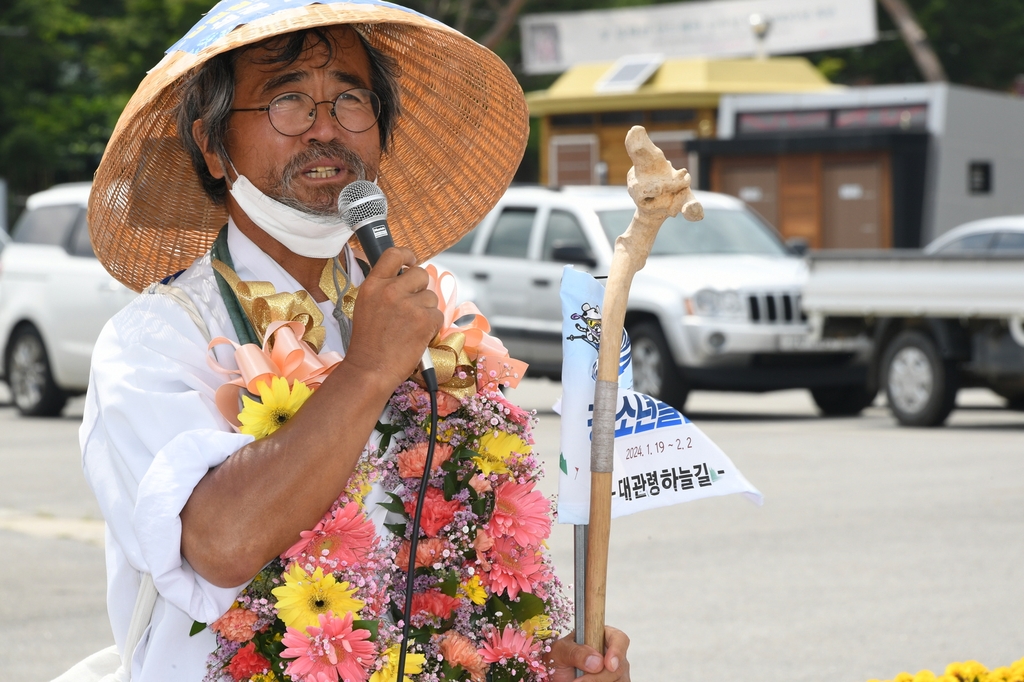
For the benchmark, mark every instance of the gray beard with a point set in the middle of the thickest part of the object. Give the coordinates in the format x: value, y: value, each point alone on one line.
x: 282, y: 189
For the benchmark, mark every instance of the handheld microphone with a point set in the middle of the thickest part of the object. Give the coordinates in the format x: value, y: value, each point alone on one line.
x: 364, y: 208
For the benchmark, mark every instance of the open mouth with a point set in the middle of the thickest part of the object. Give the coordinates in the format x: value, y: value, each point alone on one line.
x: 322, y: 172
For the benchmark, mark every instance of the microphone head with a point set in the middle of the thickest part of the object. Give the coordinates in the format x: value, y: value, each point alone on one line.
x: 360, y: 202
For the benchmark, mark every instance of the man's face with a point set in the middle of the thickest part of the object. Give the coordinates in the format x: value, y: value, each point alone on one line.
x: 309, y: 170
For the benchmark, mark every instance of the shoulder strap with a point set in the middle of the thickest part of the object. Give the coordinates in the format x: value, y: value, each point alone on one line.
x: 142, y: 615
x: 243, y: 328
x: 183, y: 299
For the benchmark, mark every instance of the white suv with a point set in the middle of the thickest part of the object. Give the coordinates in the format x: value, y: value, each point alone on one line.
x: 717, y: 307
x: 55, y: 298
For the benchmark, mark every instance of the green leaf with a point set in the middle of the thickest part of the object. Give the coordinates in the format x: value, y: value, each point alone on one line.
x: 197, y: 627
x: 496, y: 605
x: 527, y: 607
x: 386, y: 431
x: 450, y: 672
x: 370, y: 625
x: 395, y: 505
x: 450, y: 584
x: 396, y: 528
x: 451, y: 486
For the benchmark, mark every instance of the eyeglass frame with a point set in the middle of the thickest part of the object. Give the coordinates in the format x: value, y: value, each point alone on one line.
x: 316, y: 110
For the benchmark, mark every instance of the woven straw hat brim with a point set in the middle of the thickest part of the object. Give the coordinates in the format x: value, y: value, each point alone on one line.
x: 454, y: 150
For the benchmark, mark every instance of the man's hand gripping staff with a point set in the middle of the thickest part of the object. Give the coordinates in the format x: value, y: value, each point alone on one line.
x: 659, y: 192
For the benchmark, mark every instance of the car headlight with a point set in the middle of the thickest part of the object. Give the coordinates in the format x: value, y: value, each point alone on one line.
x: 715, y: 303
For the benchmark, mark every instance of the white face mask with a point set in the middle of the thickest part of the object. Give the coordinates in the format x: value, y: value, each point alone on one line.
x: 301, y: 233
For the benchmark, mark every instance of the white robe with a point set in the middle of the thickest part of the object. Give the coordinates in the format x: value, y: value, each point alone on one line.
x: 150, y: 433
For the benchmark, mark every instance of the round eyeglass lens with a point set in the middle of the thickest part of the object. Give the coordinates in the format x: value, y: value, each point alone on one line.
x: 293, y: 113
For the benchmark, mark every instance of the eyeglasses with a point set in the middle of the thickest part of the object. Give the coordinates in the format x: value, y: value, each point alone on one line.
x: 293, y: 113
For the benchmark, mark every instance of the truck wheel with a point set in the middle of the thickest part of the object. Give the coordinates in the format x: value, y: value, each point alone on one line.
x: 654, y: 370
x: 842, y: 401
x: 920, y: 385
x: 28, y: 374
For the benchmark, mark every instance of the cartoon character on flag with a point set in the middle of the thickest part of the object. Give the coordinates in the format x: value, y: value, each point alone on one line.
x: 661, y: 457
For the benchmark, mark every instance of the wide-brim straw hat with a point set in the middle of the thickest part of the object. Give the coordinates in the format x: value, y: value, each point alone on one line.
x: 454, y: 150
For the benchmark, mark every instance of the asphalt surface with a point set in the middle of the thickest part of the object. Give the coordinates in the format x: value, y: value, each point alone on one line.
x: 879, y: 549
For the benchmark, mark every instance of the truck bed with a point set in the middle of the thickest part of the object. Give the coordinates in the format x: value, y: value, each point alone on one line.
x: 908, y: 283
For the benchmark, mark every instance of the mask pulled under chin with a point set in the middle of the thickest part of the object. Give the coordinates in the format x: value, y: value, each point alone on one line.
x: 301, y: 233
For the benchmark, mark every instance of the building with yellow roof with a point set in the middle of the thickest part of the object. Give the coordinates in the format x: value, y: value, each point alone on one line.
x: 583, y: 125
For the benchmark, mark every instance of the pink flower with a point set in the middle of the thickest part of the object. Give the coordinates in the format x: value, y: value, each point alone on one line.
x: 520, y: 512
x: 347, y: 536
x: 433, y: 604
x: 481, y: 543
x: 411, y: 461
x: 458, y: 650
x: 480, y: 484
x: 437, y: 511
x: 446, y: 403
x: 246, y: 663
x: 509, y: 645
x: 515, y: 414
x: 513, y: 568
x: 328, y: 651
x: 235, y: 625
x: 428, y: 552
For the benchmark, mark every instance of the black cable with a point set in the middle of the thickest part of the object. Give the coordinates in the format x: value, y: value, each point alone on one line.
x: 430, y: 379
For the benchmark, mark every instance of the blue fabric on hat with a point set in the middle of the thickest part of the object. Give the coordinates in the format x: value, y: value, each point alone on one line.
x: 227, y: 15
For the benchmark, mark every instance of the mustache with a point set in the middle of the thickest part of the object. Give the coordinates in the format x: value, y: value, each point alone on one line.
x: 283, y: 188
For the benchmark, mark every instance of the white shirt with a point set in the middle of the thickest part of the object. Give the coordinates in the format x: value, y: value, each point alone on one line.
x: 150, y: 432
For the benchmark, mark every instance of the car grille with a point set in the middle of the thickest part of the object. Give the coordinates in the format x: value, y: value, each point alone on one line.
x: 768, y: 308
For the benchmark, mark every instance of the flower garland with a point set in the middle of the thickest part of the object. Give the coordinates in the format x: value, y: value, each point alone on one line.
x: 486, y: 604
x: 967, y: 671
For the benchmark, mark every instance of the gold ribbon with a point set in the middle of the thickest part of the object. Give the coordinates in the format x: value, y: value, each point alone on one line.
x: 455, y: 372
x: 263, y: 305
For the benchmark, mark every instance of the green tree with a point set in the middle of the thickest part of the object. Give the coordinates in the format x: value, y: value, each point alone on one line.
x: 979, y: 44
x: 69, y: 67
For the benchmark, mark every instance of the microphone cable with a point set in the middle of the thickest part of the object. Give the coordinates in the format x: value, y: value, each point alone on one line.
x: 430, y: 379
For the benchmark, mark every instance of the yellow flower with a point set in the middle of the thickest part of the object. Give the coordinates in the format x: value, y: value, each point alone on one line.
x: 539, y: 627
x: 495, y: 449
x: 924, y: 676
x: 303, y: 597
x: 474, y: 590
x: 268, y: 676
x: 279, y: 404
x: 389, y: 671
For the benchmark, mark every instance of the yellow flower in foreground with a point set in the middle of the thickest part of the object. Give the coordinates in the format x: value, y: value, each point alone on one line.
x: 474, y: 590
x: 495, y: 449
x: 268, y: 676
x: 538, y: 627
x: 279, y: 404
x: 389, y: 672
x: 303, y: 597
x: 924, y: 676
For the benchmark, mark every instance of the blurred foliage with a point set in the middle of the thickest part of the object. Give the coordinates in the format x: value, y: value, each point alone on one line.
x: 979, y: 42
x: 69, y: 66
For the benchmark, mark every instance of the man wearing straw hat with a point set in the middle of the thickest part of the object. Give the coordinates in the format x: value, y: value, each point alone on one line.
x: 241, y: 139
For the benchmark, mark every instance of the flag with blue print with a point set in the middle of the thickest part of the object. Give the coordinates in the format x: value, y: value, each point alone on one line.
x: 661, y: 458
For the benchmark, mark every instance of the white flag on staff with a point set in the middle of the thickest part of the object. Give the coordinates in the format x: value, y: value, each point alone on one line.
x: 661, y: 458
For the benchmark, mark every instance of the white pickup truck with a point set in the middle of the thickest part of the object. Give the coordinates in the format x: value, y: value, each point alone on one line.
x: 717, y: 306
x: 937, y: 322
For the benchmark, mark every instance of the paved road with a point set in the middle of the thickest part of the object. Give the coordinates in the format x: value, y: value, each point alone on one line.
x: 879, y: 549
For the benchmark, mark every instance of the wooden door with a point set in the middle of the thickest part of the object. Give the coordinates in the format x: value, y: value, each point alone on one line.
x: 855, y: 204
x: 756, y: 184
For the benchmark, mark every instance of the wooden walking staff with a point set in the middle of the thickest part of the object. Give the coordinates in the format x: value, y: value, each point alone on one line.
x: 659, y: 192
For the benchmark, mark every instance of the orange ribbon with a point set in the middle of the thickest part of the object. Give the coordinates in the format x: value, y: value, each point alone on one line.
x: 284, y: 354
x: 460, y: 351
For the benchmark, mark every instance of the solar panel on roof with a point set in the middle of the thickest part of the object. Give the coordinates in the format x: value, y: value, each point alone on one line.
x: 629, y: 73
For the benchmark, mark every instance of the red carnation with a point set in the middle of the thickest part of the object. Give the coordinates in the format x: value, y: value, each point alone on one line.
x: 437, y: 511
x: 247, y: 663
x: 433, y: 603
